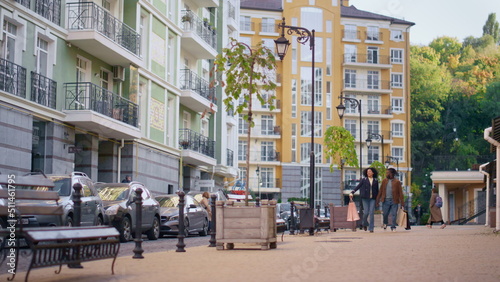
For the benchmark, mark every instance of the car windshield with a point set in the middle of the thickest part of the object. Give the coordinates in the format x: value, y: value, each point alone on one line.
x: 114, y: 193
x: 62, y: 184
x: 168, y: 202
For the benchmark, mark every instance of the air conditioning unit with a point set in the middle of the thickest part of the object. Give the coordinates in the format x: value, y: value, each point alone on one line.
x: 119, y: 73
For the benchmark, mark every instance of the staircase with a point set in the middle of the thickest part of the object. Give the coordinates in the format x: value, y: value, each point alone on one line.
x: 471, y: 210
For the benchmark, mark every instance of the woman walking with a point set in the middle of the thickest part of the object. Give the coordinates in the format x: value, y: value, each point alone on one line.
x: 436, y: 215
x: 368, y: 187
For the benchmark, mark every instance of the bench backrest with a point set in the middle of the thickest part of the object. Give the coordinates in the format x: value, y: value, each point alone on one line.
x: 24, y: 202
x: 73, y: 233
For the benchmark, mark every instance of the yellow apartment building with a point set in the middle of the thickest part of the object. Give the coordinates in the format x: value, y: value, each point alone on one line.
x: 358, y: 55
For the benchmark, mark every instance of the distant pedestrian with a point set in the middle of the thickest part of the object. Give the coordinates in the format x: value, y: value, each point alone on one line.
x: 368, y: 190
x: 436, y: 215
x: 418, y: 212
x: 205, y: 203
x: 127, y: 179
x: 391, y: 196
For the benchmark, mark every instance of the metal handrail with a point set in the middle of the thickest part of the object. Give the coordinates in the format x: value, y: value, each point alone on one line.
x: 194, y: 141
x: 189, y: 80
x: 43, y: 90
x: 12, y: 78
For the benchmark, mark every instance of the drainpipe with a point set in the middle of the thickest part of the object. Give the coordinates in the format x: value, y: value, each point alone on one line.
x: 481, y: 167
x: 492, y: 141
x: 120, y: 160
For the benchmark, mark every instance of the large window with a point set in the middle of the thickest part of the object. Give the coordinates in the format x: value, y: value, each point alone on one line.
x: 372, y: 33
x: 397, y: 129
x: 373, y: 154
x: 350, y: 53
x: 267, y: 152
x: 350, y: 31
x: 373, y: 80
x: 397, y: 153
x: 397, y: 80
x: 267, y: 177
x: 245, y: 23
x: 372, y: 55
x: 312, y: 18
x: 267, y: 125
x: 294, y: 98
x: 9, y: 36
x: 306, y: 86
x: 396, y: 35
x: 397, y: 56
x: 305, y: 153
x: 397, y: 105
x: 373, y: 126
x: 268, y: 25
x: 373, y: 104
x: 305, y: 124
x: 350, y: 125
x: 242, y: 125
x: 242, y: 150
x: 350, y: 78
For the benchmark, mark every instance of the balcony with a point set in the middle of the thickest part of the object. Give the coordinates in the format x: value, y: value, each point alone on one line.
x: 261, y: 156
x: 368, y: 85
x: 43, y: 90
x: 198, y: 38
x: 196, y: 92
x: 351, y: 35
x: 227, y: 169
x: 258, y: 107
x: 367, y: 61
x: 99, y: 110
x: 373, y: 110
x: 50, y: 10
x: 12, y: 78
x: 207, y: 3
x: 196, y: 149
x: 265, y: 184
x: 96, y: 31
x: 259, y: 131
x: 232, y: 23
x: 387, y: 136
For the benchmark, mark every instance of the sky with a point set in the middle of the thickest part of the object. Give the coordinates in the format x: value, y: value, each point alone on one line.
x: 436, y: 18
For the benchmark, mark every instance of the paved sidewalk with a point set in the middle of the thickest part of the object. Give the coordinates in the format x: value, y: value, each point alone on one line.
x: 456, y: 253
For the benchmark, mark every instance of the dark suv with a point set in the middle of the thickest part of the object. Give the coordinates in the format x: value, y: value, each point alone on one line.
x: 92, y: 208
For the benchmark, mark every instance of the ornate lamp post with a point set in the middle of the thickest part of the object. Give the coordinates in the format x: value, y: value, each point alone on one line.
x: 376, y: 136
x: 390, y: 159
x: 258, y: 180
x: 354, y: 103
x: 303, y: 36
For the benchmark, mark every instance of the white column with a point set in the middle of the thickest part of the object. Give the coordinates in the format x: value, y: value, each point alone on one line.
x: 444, y: 194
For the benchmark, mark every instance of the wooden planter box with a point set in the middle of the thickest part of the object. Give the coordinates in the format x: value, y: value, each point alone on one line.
x: 237, y: 223
x: 338, y: 219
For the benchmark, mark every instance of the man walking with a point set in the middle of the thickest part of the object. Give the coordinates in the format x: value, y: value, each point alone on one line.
x: 391, y: 196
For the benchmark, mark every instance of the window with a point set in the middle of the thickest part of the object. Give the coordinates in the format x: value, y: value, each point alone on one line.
x: 372, y: 55
x: 397, y: 80
x: 294, y: 98
x: 268, y: 25
x: 350, y: 179
x: 350, y: 107
x: 397, y: 105
x: 373, y: 154
x: 350, y: 31
x: 245, y: 23
x: 305, y: 153
x: 267, y: 125
x: 9, y: 36
x: 305, y: 124
x: 306, y: 86
x: 269, y: 43
x: 42, y: 56
x: 242, y: 125
x: 373, y: 126
x: 397, y: 153
x: 350, y: 78
x: 267, y: 152
x: 243, y: 177
x: 372, y: 33
x: 242, y: 150
x: 267, y: 177
x: 397, y: 129
x: 350, y: 125
x: 397, y: 56
x: 396, y: 35
x: 312, y: 18
x: 350, y: 55
x: 294, y: 142
x: 373, y: 104
x: 373, y: 79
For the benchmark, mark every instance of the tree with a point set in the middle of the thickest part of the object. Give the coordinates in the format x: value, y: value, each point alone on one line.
x: 491, y: 27
x: 446, y: 46
x: 245, y: 72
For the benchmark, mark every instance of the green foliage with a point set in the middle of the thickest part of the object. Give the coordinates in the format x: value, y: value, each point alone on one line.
x: 491, y: 27
x: 446, y: 46
x: 295, y: 199
x: 339, y: 145
x: 380, y: 167
x: 244, y: 73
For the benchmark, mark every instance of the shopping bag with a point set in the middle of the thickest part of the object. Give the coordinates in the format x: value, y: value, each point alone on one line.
x: 401, y: 218
x: 352, y: 212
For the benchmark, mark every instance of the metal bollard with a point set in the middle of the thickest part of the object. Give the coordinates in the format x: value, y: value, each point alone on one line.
x: 292, y: 221
x: 77, y: 219
x: 212, y: 223
x: 138, y: 227
x: 180, y: 245
x: 257, y: 201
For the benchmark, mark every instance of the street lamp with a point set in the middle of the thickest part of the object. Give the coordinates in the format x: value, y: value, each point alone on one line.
x: 390, y: 159
x: 376, y: 136
x: 353, y: 103
x: 258, y: 180
x: 282, y: 44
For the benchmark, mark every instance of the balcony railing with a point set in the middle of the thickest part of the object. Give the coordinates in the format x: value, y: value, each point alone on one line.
x: 191, y: 81
x: 350, y: 34
x: 88, y: 96
x: 261, y: 156
x: 88, y: 15
x: 43, y: 90
x: 229, y: 157
x: 12, y: 78
x: 50, y: 10
x: 263, y: 182
x: 367, y: 110
x: 368, y: 84
x: 259, y: 130
x: 366, y: 59
x: 192, y: 140
x: 191, y: 22
x: 231, y: 11
x: 25, y: 3
x: 374, y: 36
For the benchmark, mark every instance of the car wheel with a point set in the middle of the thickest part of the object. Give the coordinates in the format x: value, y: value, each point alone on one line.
x: 69, y: 221
x: 125, y: 229
x: 154, y: 232
x: 204, y: 231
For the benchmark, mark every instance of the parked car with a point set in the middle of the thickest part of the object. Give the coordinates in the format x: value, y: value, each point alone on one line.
x: 29, y: 182
x: 92, y: 212
x: 120, y: 209
x: 195, y: 216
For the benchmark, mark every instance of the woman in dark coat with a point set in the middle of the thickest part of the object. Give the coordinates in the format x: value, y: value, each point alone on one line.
x: 368, y: 190
x: 436, y: 215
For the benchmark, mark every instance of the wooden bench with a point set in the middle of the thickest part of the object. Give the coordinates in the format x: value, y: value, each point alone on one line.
x: 49, y: 245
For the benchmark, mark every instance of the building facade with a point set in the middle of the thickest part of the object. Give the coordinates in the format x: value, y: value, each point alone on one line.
x: 358, y: 55
x: 114, y: 88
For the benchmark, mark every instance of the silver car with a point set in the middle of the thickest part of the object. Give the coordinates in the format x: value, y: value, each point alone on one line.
x: 195, y: 216
x: 120, y: 209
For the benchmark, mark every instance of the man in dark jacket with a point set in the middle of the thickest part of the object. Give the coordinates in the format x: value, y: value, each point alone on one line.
x: 391, y: 196
x: 368, y: 190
